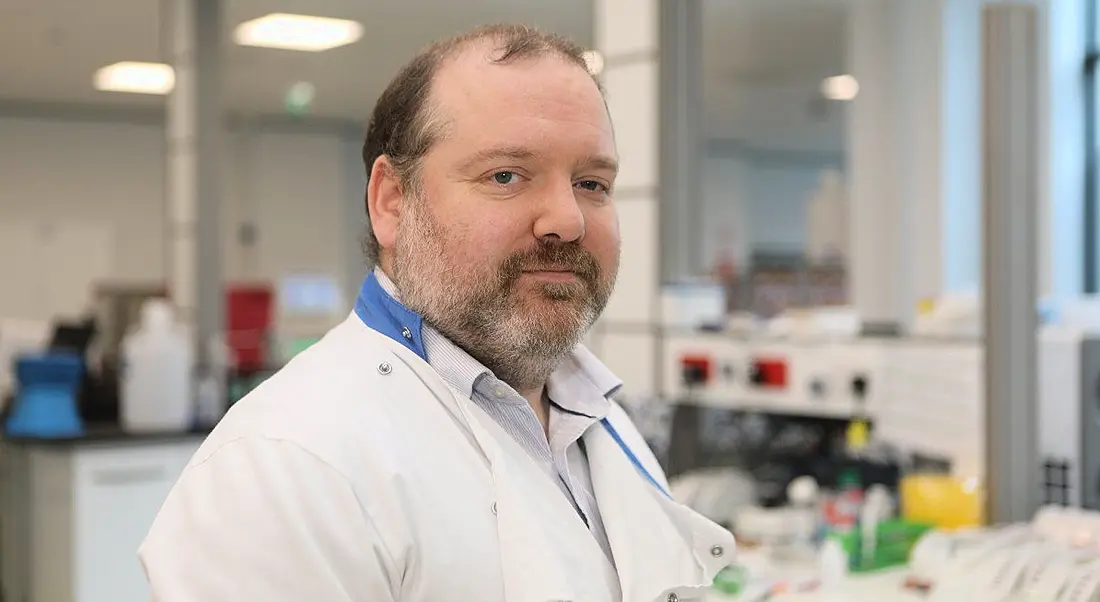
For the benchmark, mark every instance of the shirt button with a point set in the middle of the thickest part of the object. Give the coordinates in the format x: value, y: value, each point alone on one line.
x: 499, y: 391
x: 405, y: 332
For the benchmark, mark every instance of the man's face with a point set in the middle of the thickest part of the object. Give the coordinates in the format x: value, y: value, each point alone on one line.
x: 512, y: 248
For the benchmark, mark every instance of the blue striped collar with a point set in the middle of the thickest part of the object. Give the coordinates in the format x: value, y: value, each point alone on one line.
x: 381, y: 312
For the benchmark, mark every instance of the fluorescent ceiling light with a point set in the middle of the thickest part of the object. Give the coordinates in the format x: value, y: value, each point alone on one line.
x: 297, y: 32
x: 136, y: 78
x: 840, y: 87
x: 594, y: 61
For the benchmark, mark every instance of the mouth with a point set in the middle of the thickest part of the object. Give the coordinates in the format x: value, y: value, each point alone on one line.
x: 552, y: 274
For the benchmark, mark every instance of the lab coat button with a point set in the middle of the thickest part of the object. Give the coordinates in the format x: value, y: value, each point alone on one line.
x: 405, y: 332
x: 673, y: 597
x: 717, y: 551
x: 494, y: 507
x: 384, y: 368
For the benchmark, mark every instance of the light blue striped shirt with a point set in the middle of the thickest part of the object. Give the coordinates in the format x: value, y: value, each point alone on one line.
x: 579, y: 391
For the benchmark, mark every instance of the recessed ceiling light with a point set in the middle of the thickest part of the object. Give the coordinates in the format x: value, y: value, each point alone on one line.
x: 297, y: 32
x: 136, y: 78
x: 840, y: 87
x: 594, y: 60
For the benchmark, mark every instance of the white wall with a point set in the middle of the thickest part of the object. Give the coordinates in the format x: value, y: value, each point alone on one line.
x: 106, y: 176
x: 755, y: 200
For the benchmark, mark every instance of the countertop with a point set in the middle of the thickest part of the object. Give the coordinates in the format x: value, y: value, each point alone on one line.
x: 106, y: 434
x: 887, y: 585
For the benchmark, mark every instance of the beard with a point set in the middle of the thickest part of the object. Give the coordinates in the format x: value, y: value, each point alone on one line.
x: 518, y: 329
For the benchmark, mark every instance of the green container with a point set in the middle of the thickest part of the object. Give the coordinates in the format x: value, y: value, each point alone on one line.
x: 730, y: 580
x: 894, y: 541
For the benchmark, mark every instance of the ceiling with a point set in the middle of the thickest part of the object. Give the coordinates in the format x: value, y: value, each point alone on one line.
x: 763, y: 58
x: 763, y: 62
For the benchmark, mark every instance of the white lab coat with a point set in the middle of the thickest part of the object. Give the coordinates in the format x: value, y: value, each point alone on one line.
x: 357, y: 474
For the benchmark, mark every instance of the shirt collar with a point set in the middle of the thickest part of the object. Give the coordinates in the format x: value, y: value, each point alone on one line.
x: 581, y: 384
x: 381, y: 311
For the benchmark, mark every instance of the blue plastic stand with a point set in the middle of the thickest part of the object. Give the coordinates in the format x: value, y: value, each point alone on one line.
x: 45, y: 407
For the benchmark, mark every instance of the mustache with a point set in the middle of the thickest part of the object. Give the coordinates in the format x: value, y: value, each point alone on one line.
x: 552, y: 255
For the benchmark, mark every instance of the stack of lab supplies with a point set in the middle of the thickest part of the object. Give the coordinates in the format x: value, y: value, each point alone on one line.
x: 1054, y: 558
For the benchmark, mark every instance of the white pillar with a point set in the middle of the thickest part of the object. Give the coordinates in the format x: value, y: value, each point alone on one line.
x: 876, y: 236
x: 627, y: 335
x: 914, y: 153
x: 193, y: 153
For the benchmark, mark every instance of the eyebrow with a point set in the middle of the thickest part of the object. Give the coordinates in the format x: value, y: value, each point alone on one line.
x: 515, y: 153
x: 601, y: 162
x: 519, y: 153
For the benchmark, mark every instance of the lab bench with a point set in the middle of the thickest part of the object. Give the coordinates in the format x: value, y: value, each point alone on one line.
x: 877, y: 586
x: 74, y: 511
x: 886, y: 586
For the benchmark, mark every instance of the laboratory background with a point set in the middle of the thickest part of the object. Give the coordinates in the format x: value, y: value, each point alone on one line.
x: 856, y: 318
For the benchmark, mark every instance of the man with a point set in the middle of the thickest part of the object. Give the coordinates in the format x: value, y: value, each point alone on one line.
x: 452, y: 441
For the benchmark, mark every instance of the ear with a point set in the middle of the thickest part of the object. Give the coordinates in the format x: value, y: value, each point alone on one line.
x: 384, y: 201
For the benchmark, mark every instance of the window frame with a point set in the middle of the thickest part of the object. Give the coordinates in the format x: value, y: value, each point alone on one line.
x: 1091, y: 221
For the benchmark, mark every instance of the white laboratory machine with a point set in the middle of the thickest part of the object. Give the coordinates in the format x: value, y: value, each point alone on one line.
x: 925, y: 395
x: 813, y: 377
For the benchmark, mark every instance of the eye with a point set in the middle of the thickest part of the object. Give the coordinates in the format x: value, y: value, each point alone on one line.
x: 593, y: 186
x: 505, y: 178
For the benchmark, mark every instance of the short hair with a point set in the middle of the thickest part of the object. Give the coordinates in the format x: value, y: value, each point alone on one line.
x: 404, y: 127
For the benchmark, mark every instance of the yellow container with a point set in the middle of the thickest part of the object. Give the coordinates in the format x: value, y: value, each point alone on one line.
x: 942, y: 501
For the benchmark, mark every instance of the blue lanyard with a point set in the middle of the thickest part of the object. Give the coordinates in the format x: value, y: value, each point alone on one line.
x: 633, y: 459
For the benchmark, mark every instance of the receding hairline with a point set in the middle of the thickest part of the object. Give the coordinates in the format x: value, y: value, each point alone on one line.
x: 490, y: 45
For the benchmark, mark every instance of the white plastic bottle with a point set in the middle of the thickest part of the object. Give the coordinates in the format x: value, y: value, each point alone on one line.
x: 157, y: 386
x: 212, y: 386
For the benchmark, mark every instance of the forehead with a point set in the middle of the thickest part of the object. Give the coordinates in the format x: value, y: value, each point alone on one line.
x: 537, y: 102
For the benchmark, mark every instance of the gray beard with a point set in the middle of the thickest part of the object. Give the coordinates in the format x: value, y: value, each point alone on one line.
x: 484, y: 316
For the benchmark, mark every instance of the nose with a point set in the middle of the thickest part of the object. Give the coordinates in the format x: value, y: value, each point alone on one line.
x: 560, y: 216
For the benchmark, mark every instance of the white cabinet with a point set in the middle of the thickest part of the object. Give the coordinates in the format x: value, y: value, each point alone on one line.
x: 75, y: 515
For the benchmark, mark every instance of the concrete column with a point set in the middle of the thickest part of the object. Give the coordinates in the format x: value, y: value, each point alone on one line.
x: 627, y: 335
x: 682, y: 143
x: 192, y: 163
x: 1010, y: 212
x: 914, y: 153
